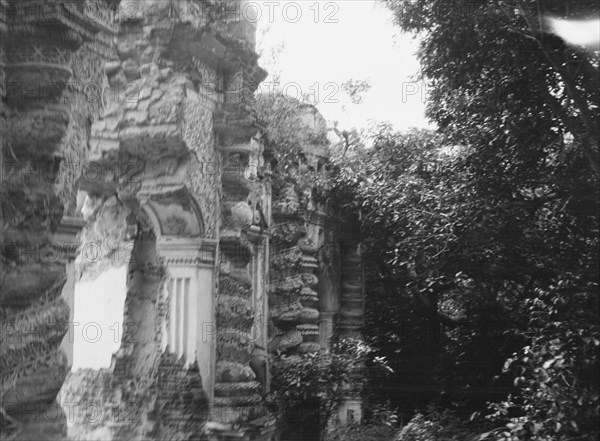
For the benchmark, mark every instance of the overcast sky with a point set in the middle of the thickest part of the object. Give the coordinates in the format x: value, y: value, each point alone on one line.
x: 325, y: 43
x: 98, y: 319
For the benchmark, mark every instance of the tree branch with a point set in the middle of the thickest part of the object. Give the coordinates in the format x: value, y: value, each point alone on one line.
x: 571, y: 89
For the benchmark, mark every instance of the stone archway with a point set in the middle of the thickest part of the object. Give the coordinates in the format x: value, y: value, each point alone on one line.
x: 164, y: 353
x: 136, y: 126
x: 187, y: 324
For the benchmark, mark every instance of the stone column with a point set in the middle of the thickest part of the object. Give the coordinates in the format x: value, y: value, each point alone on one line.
x: 350, y: 324
x: 297, y: 241
x: 241, y: 295
x: 242, y: 239
x: 352, y: 299
x: 38, y: 42
x: 326, y: 329
x: 293, y: 263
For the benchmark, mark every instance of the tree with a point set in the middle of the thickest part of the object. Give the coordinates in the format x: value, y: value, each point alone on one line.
x: 461, y: 278
x: 491, y: 226
x: 355, y: 89
x: 495, y: 69
x: 429, y: 309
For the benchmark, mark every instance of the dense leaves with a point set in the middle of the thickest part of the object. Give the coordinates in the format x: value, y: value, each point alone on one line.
x: 431, y: 243
x: 311, y: 385
x: 482, y: 238
x: 286, y: 136
x: 500, y: 79
x: 461, y: 279
x: 435, y: 425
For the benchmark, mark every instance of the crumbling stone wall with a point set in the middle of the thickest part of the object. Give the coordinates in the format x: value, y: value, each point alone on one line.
x: 131, y: 127
x: 147, y: 108
x: 44, y: 120
x: 317, y: 289
x: 105, y: 405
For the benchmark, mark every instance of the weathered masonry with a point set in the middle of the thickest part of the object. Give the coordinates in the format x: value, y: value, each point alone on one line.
x: 130, y: 126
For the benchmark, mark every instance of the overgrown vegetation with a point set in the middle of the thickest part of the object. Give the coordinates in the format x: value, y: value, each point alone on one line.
x: 285, y: 134
x: 482, y: 237
x: 484, y: 302
x: 309, y: 387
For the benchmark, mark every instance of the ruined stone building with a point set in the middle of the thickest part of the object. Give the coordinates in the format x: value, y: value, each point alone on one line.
x: 128, y: 132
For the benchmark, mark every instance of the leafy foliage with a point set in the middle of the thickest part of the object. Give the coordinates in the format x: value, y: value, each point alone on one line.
x: 317, y: 380
x: 424, y: 229
x: 355, y: 89
x: 366, y: 432
x: 435, y: 424
x: 557, y: 373
x: 482, y: 238
x: 458, y: 276
x: 501, y: 80
x: 286, y: 135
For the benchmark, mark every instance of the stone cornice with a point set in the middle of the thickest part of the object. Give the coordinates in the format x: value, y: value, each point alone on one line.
x: 79, y: 21
x: 187, y: 252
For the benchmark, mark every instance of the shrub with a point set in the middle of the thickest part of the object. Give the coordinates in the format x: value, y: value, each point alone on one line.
x: 369, y: 432
x: 435, y: 425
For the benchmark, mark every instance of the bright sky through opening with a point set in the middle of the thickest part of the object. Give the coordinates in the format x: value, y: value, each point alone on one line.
x: 325, y: 43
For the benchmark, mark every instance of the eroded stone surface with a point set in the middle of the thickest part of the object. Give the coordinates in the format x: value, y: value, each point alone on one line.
x: 148, y: 140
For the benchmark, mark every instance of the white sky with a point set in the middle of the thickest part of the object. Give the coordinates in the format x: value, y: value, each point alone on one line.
x: 98, y: 319
x: 327, y: 43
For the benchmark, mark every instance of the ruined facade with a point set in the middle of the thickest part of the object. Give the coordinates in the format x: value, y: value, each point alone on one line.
x: 128, y: 132
x: 316, y: 271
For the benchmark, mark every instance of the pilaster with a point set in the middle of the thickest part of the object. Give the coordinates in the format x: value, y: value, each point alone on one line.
x: 189, y: 292
x: 38, y: 40
x: 66, y: 242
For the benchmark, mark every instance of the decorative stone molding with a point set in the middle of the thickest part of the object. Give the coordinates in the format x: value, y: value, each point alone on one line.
x: 191, y: 252
x: 188, y: 327
x: 243, y: 238
x: 39, y: 40
x: 154, y: 113
x: 243, y: 269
